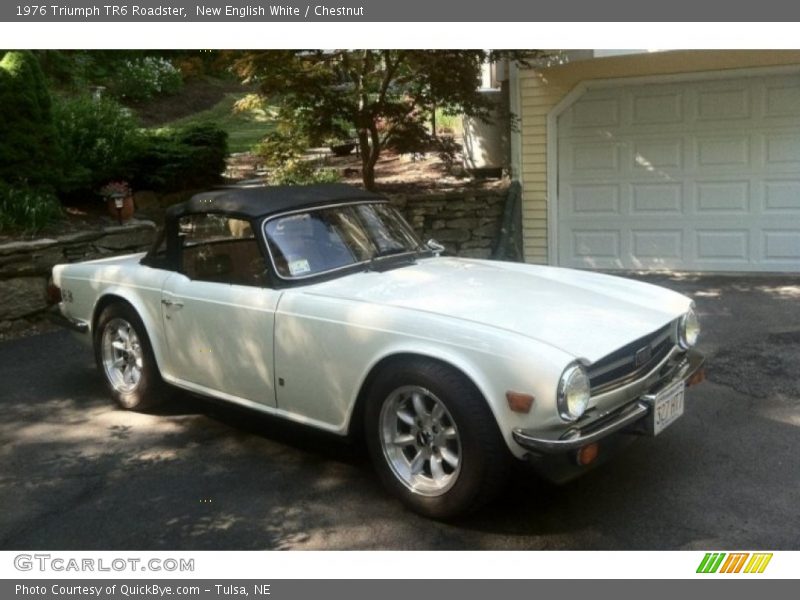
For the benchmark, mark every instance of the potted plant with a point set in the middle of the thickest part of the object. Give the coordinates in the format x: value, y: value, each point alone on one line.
x: 119, y: 197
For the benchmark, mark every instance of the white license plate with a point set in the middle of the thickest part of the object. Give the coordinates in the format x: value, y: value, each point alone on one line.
x: 667, y: 407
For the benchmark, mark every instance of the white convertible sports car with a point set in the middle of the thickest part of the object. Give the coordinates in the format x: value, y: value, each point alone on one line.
x: 319, y: 304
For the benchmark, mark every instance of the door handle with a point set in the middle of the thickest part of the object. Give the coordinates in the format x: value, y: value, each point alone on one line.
x: 169, y: 303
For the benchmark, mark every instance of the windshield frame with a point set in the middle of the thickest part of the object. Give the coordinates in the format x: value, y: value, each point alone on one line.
x: 359, y: 266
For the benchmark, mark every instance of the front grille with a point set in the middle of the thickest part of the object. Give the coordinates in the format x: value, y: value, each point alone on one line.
x: 623, y: 365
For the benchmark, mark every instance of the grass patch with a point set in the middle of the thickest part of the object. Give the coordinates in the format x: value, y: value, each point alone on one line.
x: 245, y: 127
x: 24, y: 210
x: 449, y: 124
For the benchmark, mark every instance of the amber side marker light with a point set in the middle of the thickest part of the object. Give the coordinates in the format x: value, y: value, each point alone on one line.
x: 587, y: 455
x: 698, y: 376
x: 519, y: 402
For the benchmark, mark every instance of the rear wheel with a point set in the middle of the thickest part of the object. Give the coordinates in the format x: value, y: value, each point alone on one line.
x: 125, y: 357
x: 433, y: 439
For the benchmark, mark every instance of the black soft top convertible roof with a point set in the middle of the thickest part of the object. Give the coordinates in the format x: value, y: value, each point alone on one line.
x: 260, y: 202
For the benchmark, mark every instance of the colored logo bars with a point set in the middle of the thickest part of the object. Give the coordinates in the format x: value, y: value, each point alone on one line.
x: 716, y: 562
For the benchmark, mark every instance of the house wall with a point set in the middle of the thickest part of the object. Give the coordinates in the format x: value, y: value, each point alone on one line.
x: 542, y: 89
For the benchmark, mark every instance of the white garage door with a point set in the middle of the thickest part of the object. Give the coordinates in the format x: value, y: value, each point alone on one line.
x: 703, y: 175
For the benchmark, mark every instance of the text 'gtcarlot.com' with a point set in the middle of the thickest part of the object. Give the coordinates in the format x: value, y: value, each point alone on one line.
x: 45, y: 562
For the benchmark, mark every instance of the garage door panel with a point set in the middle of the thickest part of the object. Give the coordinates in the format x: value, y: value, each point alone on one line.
x: 782, y: 197
x: 593, y: 199
x: 699, y: 175
x: 715, y: 245
x: 650, y: 108
x: 724, y: 104
x: 733, y: 151
x: 656, y: 199
x: 783, y: 151
x: 716, y: 197
x: 651, y: 245
x: 782, y: 99
x: 649, y: 155
x: 596, y: 244
x: 599, y: 112
x: 595, y: 157
x: 781, y: 245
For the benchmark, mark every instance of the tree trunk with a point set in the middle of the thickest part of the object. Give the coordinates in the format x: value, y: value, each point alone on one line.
x: 367, y: 169
x: 368, y: 177
x: 374, y: 154
x: 369, y: 143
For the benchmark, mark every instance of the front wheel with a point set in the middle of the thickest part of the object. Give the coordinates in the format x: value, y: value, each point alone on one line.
x: 433, y: 440
x: 125, y: 357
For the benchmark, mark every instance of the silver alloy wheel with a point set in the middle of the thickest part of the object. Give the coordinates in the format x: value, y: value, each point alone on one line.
x: 122, y: 355
x: 420, y: 440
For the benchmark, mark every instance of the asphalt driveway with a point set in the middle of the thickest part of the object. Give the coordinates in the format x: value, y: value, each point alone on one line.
x: 76, y: 473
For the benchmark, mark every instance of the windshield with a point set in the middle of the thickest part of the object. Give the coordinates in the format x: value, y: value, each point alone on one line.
x: 319, y: 240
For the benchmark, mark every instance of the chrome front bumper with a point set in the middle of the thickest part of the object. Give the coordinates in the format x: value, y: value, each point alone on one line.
x: 627, y: 417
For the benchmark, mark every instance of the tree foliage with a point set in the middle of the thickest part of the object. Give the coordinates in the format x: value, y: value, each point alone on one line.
x: 29, y: 151
x: 381, y: 95
x: 99, y: 138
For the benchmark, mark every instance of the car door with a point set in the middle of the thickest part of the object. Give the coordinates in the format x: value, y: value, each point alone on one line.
x: 218, y: 312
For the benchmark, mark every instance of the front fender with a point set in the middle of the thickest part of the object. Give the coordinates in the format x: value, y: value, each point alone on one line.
x: 492, y: 374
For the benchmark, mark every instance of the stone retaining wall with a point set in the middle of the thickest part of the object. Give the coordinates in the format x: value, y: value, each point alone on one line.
x: 466, y: 222
x: 25, y: 266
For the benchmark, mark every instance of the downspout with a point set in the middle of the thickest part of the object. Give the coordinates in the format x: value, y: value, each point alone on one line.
x: 515, y: 107
x: 515, y: 122
x: 510, y: 243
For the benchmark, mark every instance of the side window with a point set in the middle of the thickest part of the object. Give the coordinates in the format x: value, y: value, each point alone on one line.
x: 220, y: 249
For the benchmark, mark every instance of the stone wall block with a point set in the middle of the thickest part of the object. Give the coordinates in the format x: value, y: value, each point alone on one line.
x: 22, y: 296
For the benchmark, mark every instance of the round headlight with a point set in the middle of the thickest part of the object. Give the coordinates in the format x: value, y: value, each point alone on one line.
x: 688, y: 329
x: 573, y: 393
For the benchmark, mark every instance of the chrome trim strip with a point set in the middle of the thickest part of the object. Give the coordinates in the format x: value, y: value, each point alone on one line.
x: 629, y: 415
x: 635, y: 376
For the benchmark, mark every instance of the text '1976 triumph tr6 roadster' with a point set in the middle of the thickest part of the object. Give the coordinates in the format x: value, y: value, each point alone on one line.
x: 320, y: 304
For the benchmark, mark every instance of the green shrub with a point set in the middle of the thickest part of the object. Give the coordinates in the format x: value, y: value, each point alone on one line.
x: 27, y: 210
x: 409, y: 137
x: 99, y: 138
x: 209, y: 148
x: 140, y: 79
x: 301, y: 172
x: 283, y: 154
x: 29, y: 153
x: 276, y: 148
x: 179, y: 159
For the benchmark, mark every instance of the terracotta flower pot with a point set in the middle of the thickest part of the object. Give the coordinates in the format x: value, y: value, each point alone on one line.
x: 120, y: 207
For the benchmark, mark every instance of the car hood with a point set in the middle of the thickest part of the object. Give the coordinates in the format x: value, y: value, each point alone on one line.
x: 587, y: 315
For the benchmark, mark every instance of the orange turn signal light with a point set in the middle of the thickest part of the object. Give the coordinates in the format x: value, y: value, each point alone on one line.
x: 519, y: 402
x: 588, y: 454
x: 698, y: 376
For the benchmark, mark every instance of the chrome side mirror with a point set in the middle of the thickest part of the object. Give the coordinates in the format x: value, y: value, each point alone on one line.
x: 435, y: 246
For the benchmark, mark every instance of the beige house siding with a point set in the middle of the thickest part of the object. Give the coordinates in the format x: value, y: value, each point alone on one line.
x: 542, y: 89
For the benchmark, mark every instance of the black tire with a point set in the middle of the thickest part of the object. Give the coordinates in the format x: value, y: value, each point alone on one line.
x: 484, y: 458
x: 149, y: 390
